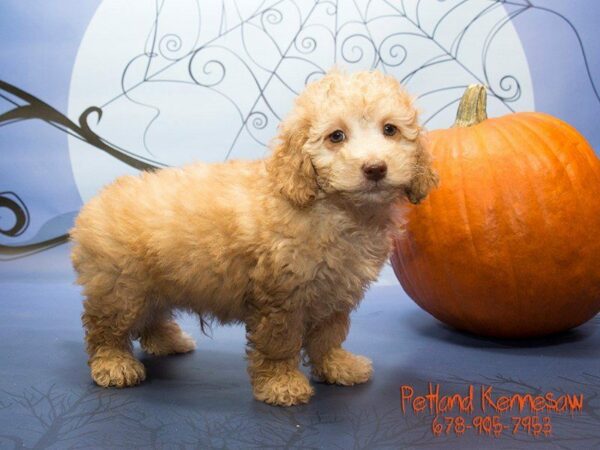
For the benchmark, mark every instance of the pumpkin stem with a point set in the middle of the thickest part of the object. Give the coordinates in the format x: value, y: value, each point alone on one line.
x: 472, y: 107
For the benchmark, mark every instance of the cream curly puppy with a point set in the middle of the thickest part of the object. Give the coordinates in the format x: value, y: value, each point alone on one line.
x: 286, y: 245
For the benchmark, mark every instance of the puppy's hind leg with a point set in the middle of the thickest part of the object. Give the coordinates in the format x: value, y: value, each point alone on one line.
x: 112, y: 310
x: 163, y: 336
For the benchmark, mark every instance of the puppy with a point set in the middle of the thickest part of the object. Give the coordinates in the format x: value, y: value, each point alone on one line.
x: 287, y: 245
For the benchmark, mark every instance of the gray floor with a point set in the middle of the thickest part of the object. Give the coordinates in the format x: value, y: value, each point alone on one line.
x: 203, y: 400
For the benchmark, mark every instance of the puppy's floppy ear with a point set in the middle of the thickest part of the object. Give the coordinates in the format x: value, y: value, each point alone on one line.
x: 425, y: 177
x: 290, y: 166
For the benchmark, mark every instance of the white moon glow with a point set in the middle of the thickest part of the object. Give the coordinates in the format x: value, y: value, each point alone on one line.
x: 205, y: 80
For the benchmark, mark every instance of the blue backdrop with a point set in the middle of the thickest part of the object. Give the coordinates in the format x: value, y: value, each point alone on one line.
x: 90, y: 90
x: 40, y: 45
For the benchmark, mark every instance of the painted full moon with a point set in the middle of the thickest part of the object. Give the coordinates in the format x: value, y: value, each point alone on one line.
x: 186, y: 80
x: 189, y: 80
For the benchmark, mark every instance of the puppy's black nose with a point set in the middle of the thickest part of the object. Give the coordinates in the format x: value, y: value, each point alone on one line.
x: 374, y: 171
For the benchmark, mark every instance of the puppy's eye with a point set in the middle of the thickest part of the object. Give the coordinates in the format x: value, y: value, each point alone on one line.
x: 337, y: 136
x: 389, y: 129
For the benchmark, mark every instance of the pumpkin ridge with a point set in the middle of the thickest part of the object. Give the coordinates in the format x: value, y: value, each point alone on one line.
x: 556, y: 122
x: 505, y: 135
x: 592, y: 161
x: 550, y: 150
x: 587, y: 152
x: 415, y: 252
x: 580, y: 210
x: 436, y: 238
x: 465, y: 216
x: 407, y: 246
x: 407, y: 284
x: 455, y: 143
x: 504, y: 219
x: 503, y: 130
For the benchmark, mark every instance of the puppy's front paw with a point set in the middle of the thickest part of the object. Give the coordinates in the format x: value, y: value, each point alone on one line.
x: 342, y: 367
x: 118, y: 371
x: 284, y: 389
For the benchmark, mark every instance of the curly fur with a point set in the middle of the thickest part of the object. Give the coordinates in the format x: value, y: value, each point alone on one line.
x: 286, y: 245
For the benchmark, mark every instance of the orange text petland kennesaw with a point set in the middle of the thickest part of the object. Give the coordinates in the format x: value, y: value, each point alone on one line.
x: 489, y: 401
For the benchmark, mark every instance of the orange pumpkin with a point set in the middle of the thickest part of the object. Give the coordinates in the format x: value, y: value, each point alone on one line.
x: 509, y: 244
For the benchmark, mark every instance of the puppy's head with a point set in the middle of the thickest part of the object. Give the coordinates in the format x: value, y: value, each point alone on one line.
x: 356, y: 136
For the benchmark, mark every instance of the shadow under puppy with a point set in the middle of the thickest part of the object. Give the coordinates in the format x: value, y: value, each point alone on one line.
x: 287, y: 245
